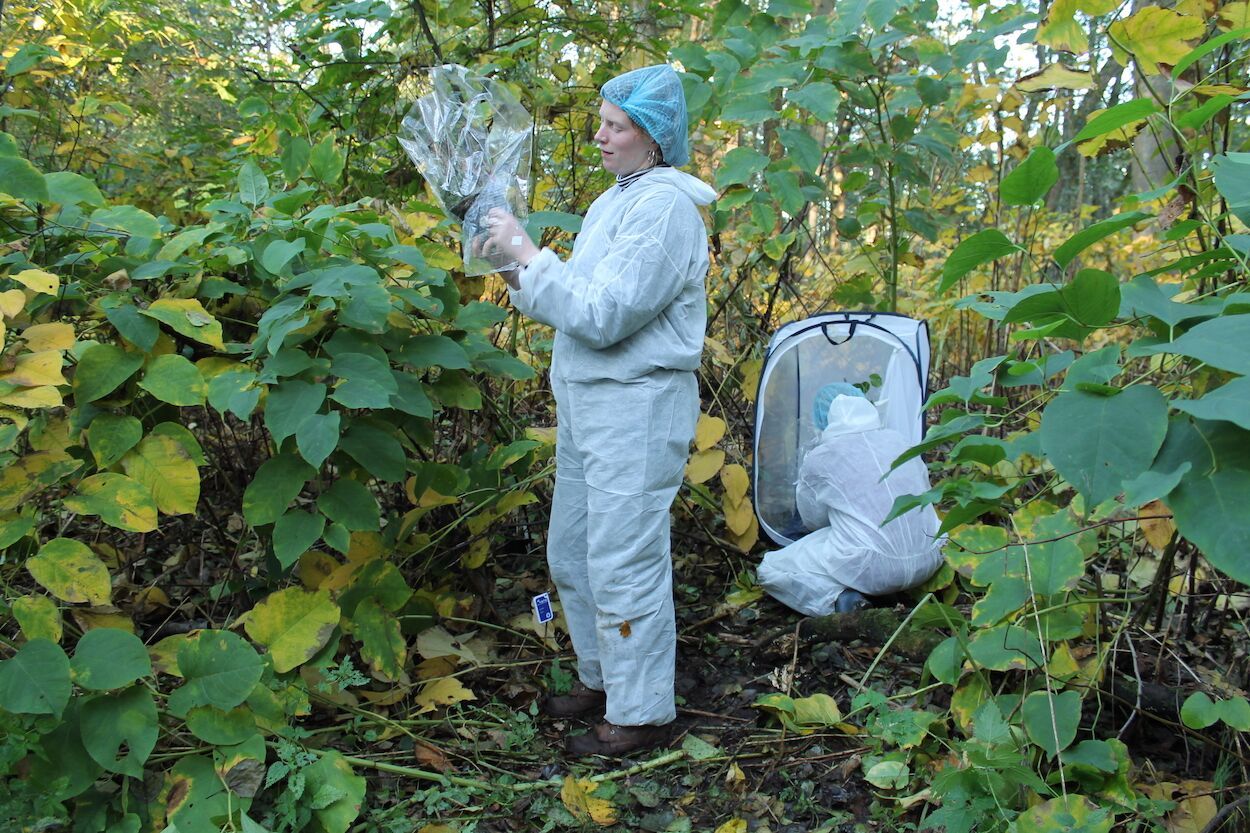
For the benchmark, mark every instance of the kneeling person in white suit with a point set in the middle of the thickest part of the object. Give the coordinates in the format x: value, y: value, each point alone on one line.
x: 842, y: 497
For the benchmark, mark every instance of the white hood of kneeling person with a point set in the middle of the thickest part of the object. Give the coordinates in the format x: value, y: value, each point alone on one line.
x: 845, y: 490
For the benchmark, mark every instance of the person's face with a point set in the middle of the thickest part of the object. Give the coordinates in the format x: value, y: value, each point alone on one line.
x: 624, y: 145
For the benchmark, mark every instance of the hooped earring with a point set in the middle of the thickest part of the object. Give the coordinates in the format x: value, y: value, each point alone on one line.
x: 651, y: 158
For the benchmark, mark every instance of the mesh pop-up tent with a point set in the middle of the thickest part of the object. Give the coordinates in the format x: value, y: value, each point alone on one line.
x: 885, y: 354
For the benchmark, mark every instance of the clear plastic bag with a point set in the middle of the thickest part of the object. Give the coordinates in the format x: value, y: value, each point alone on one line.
x: 471, y: 140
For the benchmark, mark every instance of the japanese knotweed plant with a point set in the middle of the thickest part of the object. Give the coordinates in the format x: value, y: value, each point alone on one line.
x: 286, y: 362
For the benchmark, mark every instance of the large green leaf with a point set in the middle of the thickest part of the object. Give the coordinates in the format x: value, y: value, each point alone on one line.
x: 343, y: 792
x: 119, y: 500
x: 198, y: 798
x: 1029, y: 181
x: 364, y: 381
x: 382, y: 643
x: 972, y: 252
x: 1116, y: 117
x: 66, y: 188
x: 325, y: 161
x: 434, y: 351
x: 221, y: 727
x: 168, y: 470
x: 289, y: 404
x: 111, y: 436
x: 173, y: 379
x: 1216, y: 342
x: 294, y: 533
x: 109, y: 658
x: 119, y: 731
x: 294, y: 624
x: 1085, y: 238
x: 739, y: 165
x: 253, y: 184
x: 278, y: 480
x: 35, y: 680
x: 350, y: 503
x: 1230, y: 402
x: 1098, y: 442
x: 20, y: 179
x: 318, y: 436
x: 1210, y: 502
x: 101, y: 369
x: 1091, y: 299
x: 377, y: 449
x: 1051, y: 720
x: 219, y: 668
x: 128, y: 219
x: 1005, y: 647
x: 820, y: 98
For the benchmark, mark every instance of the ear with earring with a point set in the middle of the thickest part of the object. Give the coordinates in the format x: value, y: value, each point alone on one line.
x: 651, y: 155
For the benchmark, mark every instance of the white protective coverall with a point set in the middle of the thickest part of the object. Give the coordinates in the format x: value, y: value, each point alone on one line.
x: 841, y: 496
x: 629, y: 310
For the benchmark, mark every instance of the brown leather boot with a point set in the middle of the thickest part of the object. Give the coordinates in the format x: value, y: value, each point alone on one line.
x: 616, y: 741
x: 580, y: 700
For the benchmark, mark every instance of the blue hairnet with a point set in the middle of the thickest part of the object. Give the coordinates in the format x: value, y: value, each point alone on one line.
x: 653, y: 98
x: 825, y: 397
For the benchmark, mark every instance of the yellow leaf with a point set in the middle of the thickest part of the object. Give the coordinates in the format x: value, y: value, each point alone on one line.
x: 1155, y: 35
x: 1060, y: 30
x: 45, y: 397
x: 12, y: 302
x: 443, y: 692
x: 38, y: 616
x: 163, y: 465
x: 1056, y: 77
x: 314, y: 568
x: 437, y: 642
x: 365, y: 546
x: 187, y: 317
x: 164, y: 654
x: 89, y: 620
x: 1062, y: 665
x: 708, y: 432
x: 294, y: 624
x: 736, y: 482
x: 735, y: 779
x: 546, y: 436
x: 738, y: 516
x: 36, y: 369
x: 718, y: 351
x: 54, y: 336
x: 1158, y: 531
x: 577, y: 797
x: 436, y: 669
x: 704, y: 465
x: 751, y: 378
x: 69, y: 570
x: 149, y: 600
x: 1235, y: 16
x: 1211, y: 90
x: 733, y: 826
x: 747, y: 540
x: 37, y: 280
x: 477, y: 554
x: 1192, y: 815
x: 981, y: 173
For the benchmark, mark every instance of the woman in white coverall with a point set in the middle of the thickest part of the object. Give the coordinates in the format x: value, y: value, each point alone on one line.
x: 629, y: 311
x: 843, y: 494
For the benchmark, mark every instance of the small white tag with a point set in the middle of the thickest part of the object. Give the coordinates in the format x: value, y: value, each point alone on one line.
x: 542, y: 608
x: 516, y: 241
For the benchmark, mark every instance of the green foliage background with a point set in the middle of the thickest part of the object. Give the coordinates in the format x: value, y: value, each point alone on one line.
x: 237, y: 348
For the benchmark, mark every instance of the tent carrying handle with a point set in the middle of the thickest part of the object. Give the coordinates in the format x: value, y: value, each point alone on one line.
x: 824, y: 329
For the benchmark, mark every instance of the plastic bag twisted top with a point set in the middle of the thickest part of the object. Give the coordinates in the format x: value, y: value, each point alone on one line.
x: 654, y: 99
x: 824, y: 398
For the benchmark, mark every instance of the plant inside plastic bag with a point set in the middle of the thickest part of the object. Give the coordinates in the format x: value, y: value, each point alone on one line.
x: 471, y: 139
